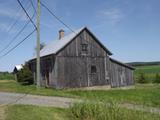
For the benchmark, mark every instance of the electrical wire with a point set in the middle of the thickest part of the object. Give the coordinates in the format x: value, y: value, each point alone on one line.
x: 33, y: 6
x: 27, y: 14
x: 57, y: 17
x: 67, y: 26
x: 17, y: 35
x: 17, y: 44
x: 14, y: 23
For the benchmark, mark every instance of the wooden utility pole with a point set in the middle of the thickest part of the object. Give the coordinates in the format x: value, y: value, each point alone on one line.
x: 38, y: 44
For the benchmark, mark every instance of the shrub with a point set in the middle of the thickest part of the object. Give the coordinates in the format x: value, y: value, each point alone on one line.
x: 24, y: 76
x: 157, y: 78
x: 142, y: 78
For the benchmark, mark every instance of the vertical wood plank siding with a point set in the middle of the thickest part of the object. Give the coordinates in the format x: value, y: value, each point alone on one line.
x: 121, y: 75
x: 72, y: 67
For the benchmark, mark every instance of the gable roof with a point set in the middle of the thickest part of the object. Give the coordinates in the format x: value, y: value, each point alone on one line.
x: 55, y: 46
x: 104, y: 47
x: 18, y: 67
x: 123, y: 64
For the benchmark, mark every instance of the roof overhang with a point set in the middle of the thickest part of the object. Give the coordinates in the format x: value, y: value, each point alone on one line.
x: 123, y: 64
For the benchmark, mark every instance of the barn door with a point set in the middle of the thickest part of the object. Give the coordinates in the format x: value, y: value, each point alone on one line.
x: 47, y: 78
x: 93, y: 75
x: 47, y: 72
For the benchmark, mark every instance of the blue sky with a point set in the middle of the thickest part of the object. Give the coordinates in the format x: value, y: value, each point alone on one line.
x: 129, y: 28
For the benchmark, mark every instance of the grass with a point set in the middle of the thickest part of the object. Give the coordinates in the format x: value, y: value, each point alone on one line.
x: 80, y: 111
x: 143, y: 94
x: 150, y: 71
x: 26, y: 112
x: 13, y: 86
x: 2, y: 112
x: 147, y: 94
x: 6, y: 76
x: 99, y: 111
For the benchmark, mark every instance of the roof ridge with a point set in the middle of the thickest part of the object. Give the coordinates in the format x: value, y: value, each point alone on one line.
x: 58, y: 43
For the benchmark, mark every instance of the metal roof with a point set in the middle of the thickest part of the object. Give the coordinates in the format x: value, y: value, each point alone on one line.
x: 55, y: 46
x: 18, y: 67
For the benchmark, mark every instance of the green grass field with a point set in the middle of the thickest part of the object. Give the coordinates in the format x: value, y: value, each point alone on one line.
x: 149, y: 71
x: 153, y: 69
x: 143, y: 94
x: 6, y: 76
x: 147, y: 94
x: 26, y: 112
x: 83, y: 111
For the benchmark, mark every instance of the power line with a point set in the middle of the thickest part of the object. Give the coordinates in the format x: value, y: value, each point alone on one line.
x: 61, y: 20
x: 11, y: 27
x: 57, y: 18
x: 15, y: 22
x: 15, y: 37
x: 26, y: 13
x: 17, y: 44
x: 20, y: 32
x: 33, y: 6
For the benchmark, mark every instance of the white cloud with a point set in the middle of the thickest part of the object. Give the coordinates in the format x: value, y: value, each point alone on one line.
x: 12, y: 14
x: 114, y: 16
x: 5, y: 13
x: 5, y: 28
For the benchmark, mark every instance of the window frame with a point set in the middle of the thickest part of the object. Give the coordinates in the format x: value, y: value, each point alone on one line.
x: 93, y: 69
x: 84, y: 47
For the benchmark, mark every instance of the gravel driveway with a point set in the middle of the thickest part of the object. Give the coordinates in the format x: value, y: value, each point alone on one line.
x: 26, y: 99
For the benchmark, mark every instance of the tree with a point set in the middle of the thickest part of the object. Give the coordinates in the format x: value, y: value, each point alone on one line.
x: 142, y: 78
x: 42, y: 45
x: 157, y: 78
x: 24, y: 76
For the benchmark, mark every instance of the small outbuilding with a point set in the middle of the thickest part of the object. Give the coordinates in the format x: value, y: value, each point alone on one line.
x: 16, y: 69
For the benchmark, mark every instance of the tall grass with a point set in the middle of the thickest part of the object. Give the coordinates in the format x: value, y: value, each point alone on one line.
x: 109, y: 111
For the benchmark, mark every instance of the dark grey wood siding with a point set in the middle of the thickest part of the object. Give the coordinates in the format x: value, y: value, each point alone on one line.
x: 48, y: 66
x: 74, y: 65
x: 76, y: 72
x: 120, y: 75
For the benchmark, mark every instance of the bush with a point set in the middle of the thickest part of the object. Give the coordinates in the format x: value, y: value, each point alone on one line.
x: 142, y: 78
x: 24, y: 76
x: 157, y: 78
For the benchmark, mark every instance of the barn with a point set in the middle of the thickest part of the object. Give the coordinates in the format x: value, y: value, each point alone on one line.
x: 80, y: 60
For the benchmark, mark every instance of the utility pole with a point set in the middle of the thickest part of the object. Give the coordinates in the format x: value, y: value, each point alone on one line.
x: 38, y: 43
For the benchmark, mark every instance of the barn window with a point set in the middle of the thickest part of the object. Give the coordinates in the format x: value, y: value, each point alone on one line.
x: 85, y: 47
x: 93, y: 69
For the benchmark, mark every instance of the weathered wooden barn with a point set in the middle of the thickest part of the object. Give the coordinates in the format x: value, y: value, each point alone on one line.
x: 80, y: 60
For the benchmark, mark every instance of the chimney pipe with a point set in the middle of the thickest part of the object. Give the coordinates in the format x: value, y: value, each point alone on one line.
x: 61, y: 34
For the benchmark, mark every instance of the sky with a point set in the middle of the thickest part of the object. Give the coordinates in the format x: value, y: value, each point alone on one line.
x: 130, y: 29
